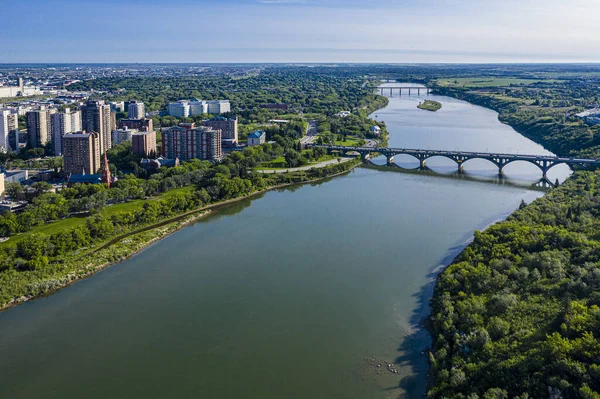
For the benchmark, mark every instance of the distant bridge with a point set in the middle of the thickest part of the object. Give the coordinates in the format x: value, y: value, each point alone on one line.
x: 543, y: 162
x: 400, y: 88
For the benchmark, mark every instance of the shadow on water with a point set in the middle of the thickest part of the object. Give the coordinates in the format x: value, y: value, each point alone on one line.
x: 415, y: 347
x: 542, y: 185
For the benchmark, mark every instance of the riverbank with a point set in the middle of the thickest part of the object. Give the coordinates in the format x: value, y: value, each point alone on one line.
x: 515, y: 306
x: 124, y: 246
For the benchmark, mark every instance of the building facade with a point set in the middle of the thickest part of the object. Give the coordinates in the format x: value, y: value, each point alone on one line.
x: 136, y: 110
x: 144, y: 144
x: 256, y: 138
x: 62, y: 123
x: 142, y: 125
x: 9, y: 124
x: 227, y: 126
x: 81, y: 153
x: 39, y: 127
x: 198, y: 107
x: 216, y: 107
x: 96, y: 117
x: 180, y: 109
x: 187, y: 141
x: 121, y: 135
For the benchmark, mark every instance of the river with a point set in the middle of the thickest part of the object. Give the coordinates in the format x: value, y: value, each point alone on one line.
x: 300, y: 293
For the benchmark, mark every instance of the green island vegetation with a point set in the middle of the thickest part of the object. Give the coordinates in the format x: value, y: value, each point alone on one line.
x: 430, y: 105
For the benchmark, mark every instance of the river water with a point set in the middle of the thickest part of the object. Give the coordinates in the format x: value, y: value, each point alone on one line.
x: 300, y: 293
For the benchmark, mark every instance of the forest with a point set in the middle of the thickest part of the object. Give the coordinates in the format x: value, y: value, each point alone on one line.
x: 517, y: 313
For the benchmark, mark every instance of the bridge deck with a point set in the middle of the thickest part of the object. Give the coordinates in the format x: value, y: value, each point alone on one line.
x: 466, y: 154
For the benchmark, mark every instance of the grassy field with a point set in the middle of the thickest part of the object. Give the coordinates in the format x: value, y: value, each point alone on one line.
x: 110, y: 210
x: 279, y: 162
x: 349, y: 142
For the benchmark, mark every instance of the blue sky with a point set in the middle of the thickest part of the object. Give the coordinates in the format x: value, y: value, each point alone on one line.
x: 402, y: 31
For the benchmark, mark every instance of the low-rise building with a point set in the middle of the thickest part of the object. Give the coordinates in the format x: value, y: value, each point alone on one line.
x: 1, y: 185
x: 16, y: 176
x: 256, y: 138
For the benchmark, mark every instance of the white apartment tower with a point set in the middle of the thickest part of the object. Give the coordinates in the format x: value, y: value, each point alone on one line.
x: 136, y: 110
x: 8, y: 124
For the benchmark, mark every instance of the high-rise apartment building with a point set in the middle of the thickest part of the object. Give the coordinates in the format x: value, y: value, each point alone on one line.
x: 39, y: 126
x: 81, y: 153
x: 9, y: 123
x: 143, y: 125
x: 96, y: 117
x: 63, y: 123
x: 144, y: 144
x: 227, y: 126
x: 136, y: 110
x: 187, y: 141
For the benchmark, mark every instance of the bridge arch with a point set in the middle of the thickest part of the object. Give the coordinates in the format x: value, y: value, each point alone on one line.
x: 497, y: 164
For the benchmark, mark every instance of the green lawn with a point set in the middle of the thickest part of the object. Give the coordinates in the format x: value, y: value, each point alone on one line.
x: 110, y: 210
x: 349, y: 142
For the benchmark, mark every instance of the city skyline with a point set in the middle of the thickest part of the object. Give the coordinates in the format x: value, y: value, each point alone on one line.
x: 256, y: 31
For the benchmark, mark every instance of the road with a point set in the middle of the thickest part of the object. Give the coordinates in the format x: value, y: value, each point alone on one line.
x: 307, y: 167
x: 311, y: 133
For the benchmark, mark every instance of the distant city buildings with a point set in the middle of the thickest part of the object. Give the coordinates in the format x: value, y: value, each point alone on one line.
x: 96, y: 117
x: 1, y: 184
x: 144, y: 144
x: 19, y: 90
x: 9, y: 124
x: 136, y: 110
x: 143, y: 125
x: 81, y: 153
x: 187, y: 141
x: 228, y: 128
x: 256, y: 138
x: 185, y: 108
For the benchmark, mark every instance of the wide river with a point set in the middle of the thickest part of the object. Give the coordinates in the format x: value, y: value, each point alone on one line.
x: 302, y: 293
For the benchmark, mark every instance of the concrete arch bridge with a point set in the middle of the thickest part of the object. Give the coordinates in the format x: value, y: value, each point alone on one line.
x: 543, y: 162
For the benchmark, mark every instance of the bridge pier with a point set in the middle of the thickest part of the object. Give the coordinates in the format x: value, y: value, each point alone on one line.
x: 409, y: 91
x: 422, y: 163
x: 460, y: 166
x: 364, y: 156
x: 390, y: 159
x: 418, y: 92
